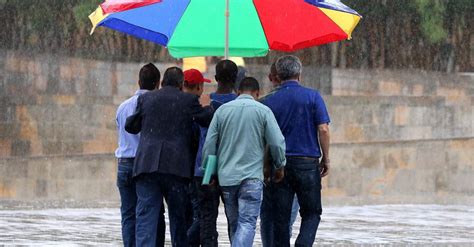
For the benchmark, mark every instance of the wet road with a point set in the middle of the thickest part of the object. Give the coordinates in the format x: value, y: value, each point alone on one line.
x: 382, y: 224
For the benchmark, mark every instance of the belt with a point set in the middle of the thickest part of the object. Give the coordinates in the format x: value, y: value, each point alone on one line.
x: 126, y: 160
x: 302, y: 158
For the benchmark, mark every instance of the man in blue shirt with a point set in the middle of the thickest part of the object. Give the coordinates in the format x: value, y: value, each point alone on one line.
x: 127, y: 147
x: 267, y: 214
x: 303, y: 119
x: 206, y: 198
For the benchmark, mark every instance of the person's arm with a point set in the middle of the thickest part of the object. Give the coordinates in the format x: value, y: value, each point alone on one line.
x: 324, y: 140
x: 322, y: 120
x: 212, y: 137
x: 201, y: 115
x: 276, y: 145
x: 133, y: 125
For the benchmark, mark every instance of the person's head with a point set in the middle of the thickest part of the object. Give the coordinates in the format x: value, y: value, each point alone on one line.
x: 226, y: 73
x: 288, y: 68
x: 173, y: 77
x: 149, y: 77
x: 273, y: 77
x: 249, y: 85
x: 194, y: 82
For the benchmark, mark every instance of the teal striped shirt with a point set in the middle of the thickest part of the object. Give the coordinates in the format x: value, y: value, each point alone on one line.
x: 238, y: 135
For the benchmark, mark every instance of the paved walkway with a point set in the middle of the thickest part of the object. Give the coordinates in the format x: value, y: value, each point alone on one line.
x: 384, y: 224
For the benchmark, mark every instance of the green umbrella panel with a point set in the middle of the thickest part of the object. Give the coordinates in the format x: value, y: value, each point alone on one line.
x: 201, y: 30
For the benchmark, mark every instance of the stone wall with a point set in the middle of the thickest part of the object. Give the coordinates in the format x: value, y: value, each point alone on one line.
x: 57, y: 113
x: 430, y: 171
x: 65, y: 177
x: 386, y: 172
x: 456, y: 88
x: 54, y: 105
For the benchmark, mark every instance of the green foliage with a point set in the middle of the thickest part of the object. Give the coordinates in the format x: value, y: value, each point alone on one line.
x: 432, y: 14
x: 439, y: 17
x: 83, y: 9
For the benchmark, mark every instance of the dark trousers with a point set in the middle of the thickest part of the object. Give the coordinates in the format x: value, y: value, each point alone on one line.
x: 206, y: 205
x: 302, y: 176
x: 268, y: 217
x: 194, y: 228
x: 151, y: 189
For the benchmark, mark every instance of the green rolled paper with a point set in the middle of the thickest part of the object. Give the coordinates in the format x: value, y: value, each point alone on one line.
x: 210, y: 168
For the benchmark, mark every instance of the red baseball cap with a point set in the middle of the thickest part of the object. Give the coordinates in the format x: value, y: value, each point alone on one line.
x: 193, y: 76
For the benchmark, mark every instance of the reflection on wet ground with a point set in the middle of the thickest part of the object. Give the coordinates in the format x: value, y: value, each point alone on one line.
x: 381, y: 224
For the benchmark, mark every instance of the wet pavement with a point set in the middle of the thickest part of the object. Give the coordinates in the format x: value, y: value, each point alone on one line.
x: 351, y: 225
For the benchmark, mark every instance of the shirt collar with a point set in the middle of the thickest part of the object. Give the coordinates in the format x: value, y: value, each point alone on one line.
x: 289, y: 83
x: 141, y: 91
x: 245, y: 96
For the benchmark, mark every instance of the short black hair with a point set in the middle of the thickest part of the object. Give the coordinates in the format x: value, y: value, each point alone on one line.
x: 174, y: 77
x: 149, y: 76
x: 226, y: 71
x: 249, y: 84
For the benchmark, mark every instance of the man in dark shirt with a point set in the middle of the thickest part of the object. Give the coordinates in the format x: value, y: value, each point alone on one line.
x: 207, y: 196
x: 303, y: 120
x: 194, y: 84
x: 164, y: 160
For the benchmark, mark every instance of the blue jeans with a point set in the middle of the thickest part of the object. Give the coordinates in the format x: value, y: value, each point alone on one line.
x: 302, y: 176
x: 128, y: 198
x: 151, y: 189
x: 267, y: 215
x: 242, y: 207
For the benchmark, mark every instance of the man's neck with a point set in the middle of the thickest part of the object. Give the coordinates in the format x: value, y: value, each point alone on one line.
x: 224, y: 89
x: 252, y: 94
x: 292, y: 80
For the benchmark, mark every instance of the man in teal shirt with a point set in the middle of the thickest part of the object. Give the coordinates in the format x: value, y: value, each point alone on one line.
x: 239, y: 132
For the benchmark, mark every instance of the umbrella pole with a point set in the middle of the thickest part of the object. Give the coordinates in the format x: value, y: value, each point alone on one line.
x: 227, y: 15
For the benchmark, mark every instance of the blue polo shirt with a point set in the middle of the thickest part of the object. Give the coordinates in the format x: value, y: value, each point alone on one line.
x: 298, y: 111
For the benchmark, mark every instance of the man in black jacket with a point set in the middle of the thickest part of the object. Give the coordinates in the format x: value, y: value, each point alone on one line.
x: 164, y: 160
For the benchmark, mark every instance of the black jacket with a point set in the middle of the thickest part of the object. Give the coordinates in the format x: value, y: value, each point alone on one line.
x: 164, y: 118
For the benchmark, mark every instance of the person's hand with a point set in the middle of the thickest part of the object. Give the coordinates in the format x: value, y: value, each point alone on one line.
x: 279, y: 175
x: 213, y: 182
x: 324, y: 166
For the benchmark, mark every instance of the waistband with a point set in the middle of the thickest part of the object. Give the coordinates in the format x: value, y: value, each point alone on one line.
x: 126, y: 160
x: 302, y: 158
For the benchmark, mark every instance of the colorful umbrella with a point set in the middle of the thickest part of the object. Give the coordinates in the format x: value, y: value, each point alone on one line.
x: 244, y: 28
